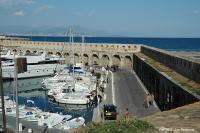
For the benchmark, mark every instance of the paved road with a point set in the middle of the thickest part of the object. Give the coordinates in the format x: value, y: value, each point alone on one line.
x: 129, y: 93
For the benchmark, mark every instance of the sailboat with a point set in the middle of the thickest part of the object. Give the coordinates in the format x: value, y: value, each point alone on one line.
x: 75, y: 91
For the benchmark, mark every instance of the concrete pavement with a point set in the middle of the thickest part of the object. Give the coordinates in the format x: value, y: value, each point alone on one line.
x: 129, y: 93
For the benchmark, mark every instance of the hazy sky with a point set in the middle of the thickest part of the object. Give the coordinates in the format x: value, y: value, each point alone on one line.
x: 154, y: 18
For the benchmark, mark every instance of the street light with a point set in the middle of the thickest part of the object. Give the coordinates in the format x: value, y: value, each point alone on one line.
x: 2, y: 95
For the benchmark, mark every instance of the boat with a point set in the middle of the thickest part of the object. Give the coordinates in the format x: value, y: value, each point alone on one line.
x: 72, y: 124
x: 53, y: 119
x: 37, y: 66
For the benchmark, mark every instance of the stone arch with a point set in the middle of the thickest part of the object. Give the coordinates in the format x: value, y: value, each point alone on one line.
x: 105, y: 61
x: 28, y: 52
x: 116, y: 60
x: 50, y: 53
x: 67, y: 58
x: 128, y: 62
x: 85, y: 59
x: 58, y: 53
x: 76, y: 58
x: 14, y: 50
x: 95, y: 59
x: 21, y: 52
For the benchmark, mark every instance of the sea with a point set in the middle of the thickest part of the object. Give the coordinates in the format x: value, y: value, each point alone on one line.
x: 31, y: 89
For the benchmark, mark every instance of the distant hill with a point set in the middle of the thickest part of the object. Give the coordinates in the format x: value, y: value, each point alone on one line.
x: 50, y: 31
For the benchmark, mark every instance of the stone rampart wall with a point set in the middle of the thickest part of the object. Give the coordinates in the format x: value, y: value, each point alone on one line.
x: 187, y: 68
x: 167, y: 93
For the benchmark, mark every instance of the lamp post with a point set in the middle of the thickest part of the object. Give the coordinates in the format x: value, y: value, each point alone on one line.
x: 16, y: 93
x: 2, y: 96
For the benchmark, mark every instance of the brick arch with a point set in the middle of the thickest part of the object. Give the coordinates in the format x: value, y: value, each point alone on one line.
x: 116, y: 60
x: 105, y: 60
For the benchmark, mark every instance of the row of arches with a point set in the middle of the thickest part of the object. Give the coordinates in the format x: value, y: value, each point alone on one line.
x: 91, y: 59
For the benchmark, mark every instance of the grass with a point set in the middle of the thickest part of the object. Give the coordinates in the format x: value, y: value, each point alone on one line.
x: 119, y: 126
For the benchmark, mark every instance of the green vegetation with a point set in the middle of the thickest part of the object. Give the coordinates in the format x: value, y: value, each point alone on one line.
x: 119, y: 126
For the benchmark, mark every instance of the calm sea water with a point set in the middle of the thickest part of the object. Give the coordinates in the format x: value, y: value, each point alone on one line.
x: 186, y: 44
x: 31, y: 89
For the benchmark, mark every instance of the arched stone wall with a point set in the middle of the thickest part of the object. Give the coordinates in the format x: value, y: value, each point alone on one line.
x: 67, y: 58
x: 116, y: 60
x: 105, y: 60
x: 58, y: 53
x: 101, y: 54
x: 95, y: 59
x: 85, y: 59
x: 28, y: 52
x: 49, y: 53
x: 76, y: 58
x: 127, y: 62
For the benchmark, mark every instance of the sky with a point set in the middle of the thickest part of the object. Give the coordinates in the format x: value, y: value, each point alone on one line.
x: 134, y: 18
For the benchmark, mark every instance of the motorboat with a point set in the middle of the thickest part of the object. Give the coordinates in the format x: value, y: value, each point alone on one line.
x: 73, y: 123
x: 37, y: 66
x: 53, y: 119
x: 71, y: 98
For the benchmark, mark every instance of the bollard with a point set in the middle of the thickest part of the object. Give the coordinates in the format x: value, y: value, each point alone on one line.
x: 20, y: 127
x: 30, y: 130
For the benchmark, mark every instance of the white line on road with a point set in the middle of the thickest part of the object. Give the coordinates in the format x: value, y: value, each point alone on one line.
x: 113, y: 89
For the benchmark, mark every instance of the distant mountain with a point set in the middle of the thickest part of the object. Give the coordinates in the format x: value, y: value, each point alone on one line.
x: 50, y: 31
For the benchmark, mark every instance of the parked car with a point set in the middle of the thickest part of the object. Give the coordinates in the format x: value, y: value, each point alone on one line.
x: 109, y: 112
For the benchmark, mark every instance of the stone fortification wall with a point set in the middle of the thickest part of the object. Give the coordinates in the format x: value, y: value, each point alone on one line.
x: 185, y: 67
x: 89, y: 53
x: 168, y: 94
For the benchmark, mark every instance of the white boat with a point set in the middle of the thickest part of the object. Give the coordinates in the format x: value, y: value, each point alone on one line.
x: 37, y: 66
x: 73, y: 123
x: 71, y: 98
x: 53, y: 119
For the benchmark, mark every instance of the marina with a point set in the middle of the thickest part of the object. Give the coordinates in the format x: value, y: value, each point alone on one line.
x: 77, y: 93
x: 32, y: 90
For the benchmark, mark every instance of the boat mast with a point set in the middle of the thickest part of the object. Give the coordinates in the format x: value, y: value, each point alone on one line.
x: 72, y: 43
x: 16, y: 92
x: 82, y: 50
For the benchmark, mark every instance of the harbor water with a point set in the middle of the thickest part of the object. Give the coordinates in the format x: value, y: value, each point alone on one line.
x: 31, y: 89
